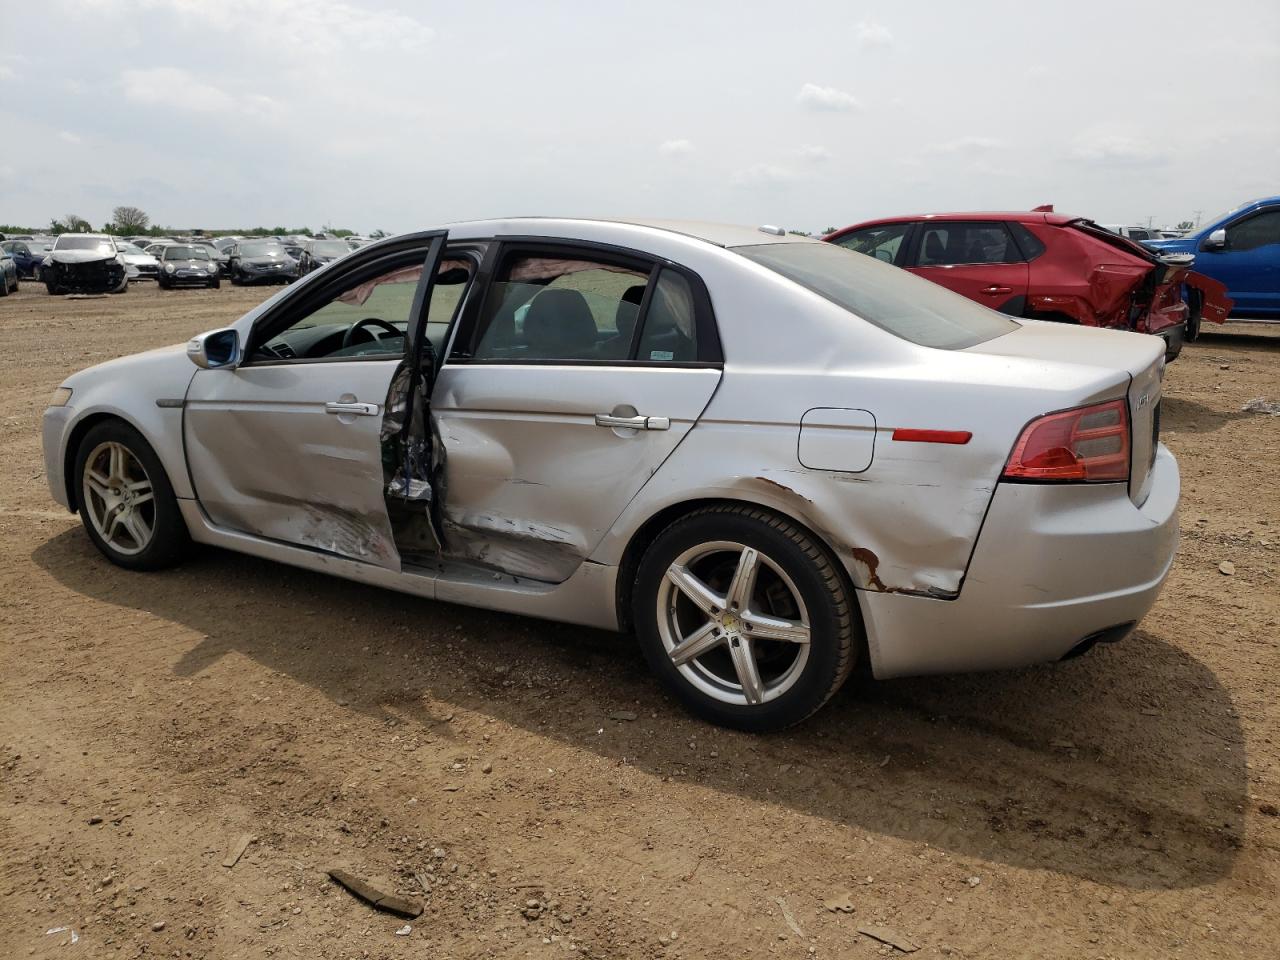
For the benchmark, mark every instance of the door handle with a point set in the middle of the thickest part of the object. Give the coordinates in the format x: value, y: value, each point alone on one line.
x: 352, y: 409
x: 993, y: 289
x: 633, y: 423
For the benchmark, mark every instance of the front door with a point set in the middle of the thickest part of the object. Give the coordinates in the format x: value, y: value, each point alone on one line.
x: 977, y: 259
x: 578, y: 375
x: 1250, y: 262
x: 288, y: 445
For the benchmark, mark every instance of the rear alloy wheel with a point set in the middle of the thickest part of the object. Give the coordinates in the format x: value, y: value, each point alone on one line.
x: 745, y: 618
x: 125, y: 500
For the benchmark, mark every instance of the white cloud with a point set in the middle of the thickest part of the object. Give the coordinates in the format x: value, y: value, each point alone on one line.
x: 676, y: 148
x: 966, y: 144
x: 66, y: 136
x: 313, y: 28
x: 161, y: 85
x: 762, y: 174
x: 826, y: 98
x: 813, y: 153
x: 1117, y: 150
x: 869, y: 34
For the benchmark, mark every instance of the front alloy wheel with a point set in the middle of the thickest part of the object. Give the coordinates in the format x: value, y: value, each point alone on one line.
x: 745, y: 617
x: 125, y: 500
x: 118, y: 498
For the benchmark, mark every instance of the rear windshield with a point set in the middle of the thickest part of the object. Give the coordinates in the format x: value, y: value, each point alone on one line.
x: 889, y: 297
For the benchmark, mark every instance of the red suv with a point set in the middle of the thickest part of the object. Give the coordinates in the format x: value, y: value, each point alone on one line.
x: 1046, y: 266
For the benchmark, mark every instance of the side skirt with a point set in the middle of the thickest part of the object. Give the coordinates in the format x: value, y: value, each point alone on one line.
x: 586, y: 598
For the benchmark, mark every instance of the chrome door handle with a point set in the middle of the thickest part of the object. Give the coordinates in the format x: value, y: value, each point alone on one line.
x: 353, y: 409
x: 633, y: 423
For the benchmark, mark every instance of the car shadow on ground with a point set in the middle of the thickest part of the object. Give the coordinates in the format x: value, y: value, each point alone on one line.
x: 1180, y: 415
x: 1125, y: 767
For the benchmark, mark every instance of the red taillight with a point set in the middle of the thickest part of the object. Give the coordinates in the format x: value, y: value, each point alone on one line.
x: 1087, y: 444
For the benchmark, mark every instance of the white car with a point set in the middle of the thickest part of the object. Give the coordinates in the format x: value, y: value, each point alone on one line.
x: 141, y: 265
x: 768, y: 456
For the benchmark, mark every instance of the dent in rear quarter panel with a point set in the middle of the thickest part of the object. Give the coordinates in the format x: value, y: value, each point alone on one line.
x: 907, y: 523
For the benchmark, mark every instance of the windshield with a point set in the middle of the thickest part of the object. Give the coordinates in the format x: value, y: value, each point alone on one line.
x: 330, y: 248
x: 261, y: 248
x: 892, y: 299
x: 185, y: 253
x: 100, y: 244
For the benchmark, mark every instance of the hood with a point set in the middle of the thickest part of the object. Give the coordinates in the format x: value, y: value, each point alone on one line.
x: 157, y: 368
x: 193, y: 262
x: 268, y: 259
x: 79, y: 256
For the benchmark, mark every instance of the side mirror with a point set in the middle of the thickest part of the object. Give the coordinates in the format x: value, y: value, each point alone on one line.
x: 1217, y: 240
x: 215, y: 350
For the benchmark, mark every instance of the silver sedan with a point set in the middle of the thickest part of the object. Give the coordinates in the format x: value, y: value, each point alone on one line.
x: 770, y: 458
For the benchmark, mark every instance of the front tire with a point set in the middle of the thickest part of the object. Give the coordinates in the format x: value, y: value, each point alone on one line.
x: 125, y: 500
x: 215, y: 283
x: 745, y: 618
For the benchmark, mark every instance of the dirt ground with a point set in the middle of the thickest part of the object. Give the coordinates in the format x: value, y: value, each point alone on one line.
x: 1120, y: 805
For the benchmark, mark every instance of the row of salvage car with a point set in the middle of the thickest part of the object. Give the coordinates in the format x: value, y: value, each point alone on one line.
x: 100, y: 263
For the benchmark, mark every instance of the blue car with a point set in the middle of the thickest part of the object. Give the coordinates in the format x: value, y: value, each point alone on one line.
x: 27, y: 255
x: 8, y: 274
x: 1240, y: 248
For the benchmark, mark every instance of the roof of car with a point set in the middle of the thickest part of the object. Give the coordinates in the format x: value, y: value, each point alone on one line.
x: 720, y: 234
x: 1019, y: 216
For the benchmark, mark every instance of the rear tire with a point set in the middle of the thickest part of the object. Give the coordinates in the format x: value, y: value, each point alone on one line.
x: 125, y: 500
x: 745, y: 618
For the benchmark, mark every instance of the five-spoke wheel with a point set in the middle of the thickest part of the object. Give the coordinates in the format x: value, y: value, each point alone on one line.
x: 745, y: 617
x: 125, y: 500
x: 118, y: 498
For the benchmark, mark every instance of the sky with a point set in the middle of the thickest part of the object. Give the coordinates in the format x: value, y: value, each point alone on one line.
x: 377, y: 114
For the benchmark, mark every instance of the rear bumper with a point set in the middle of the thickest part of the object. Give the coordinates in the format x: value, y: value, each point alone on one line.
x: 1054, y: 566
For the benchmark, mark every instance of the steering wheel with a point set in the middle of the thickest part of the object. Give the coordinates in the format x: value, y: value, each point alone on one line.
x: 349, y: 336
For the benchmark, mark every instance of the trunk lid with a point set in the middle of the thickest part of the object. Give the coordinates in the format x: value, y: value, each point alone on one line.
x: 1137, y: 361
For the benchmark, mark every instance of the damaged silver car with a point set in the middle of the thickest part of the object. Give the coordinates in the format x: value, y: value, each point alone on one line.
x: 770, y: 457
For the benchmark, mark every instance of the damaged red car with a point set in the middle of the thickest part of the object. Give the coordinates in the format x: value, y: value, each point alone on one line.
x: 1047, y: 266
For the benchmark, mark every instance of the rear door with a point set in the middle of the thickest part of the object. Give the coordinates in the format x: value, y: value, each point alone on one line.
x: 570, y: 380
x: 976, y: 258
x: 287, y: 446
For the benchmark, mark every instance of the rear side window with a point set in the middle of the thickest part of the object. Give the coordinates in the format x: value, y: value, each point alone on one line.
x: 952, y: 244
x: 894, y: 300
x: 882, y: 242
x: 670, y: 332
x: 562, y: 308
x: 1030, y: 245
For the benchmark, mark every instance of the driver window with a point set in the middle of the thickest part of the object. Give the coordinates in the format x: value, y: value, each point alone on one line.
x: 369, y: 320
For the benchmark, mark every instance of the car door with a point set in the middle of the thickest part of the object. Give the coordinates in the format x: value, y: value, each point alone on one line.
x: 287, y: 445
x: 577, y: 373
x: 1249, y: 264
x: 976, y: 258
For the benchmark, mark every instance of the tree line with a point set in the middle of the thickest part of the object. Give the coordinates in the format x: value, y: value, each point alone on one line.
x: 134, y: 222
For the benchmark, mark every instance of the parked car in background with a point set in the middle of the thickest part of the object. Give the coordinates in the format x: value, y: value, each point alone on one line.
x: 1241, y: 250
x: 157, y: 248
x: 142, y: 265
x: 84, y: 263
x: 8, y: 273
x: 316, y: 253
x: 184, y: 265
x: 28, y: 255
x: 1013, y: 503
x: 1139, y: 234
x: 261, y: 261
x: 1047, y: 266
